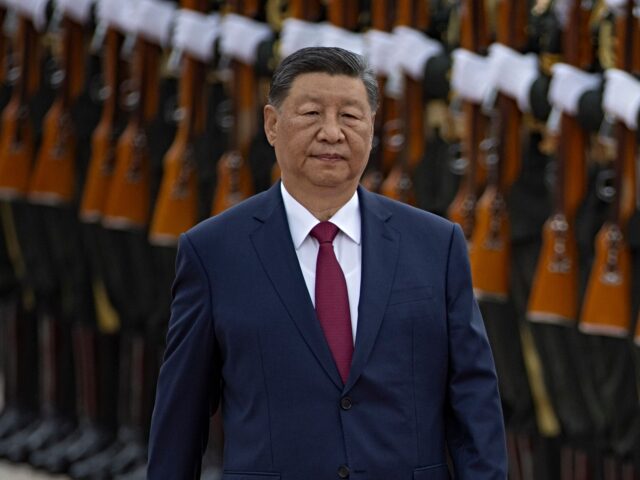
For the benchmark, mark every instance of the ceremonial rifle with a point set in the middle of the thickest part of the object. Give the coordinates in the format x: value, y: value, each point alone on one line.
x: 636, y: 63
x: 606, y: 308
x: 554, y: 293
x: 234, y: 181
x: 17, y: 136
x: 490, y: 241
x: 3, y: 46
x: 105, y: 135
x: 398, y: 184
x: 381, y: 19
x: 473, y: 37
x: 128, y: 204
x: 53, y: 180
x: 176, y: 208
x: 308, y: 10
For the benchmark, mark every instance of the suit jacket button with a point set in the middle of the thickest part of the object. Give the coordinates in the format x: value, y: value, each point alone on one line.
x: 343, y: 471
x: 346, y: 403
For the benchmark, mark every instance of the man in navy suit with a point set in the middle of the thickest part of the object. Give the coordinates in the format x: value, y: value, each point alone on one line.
x: 335, y: 328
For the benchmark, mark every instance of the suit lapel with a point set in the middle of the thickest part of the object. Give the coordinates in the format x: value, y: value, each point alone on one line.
x: 380, y: 248
x: 273, y: 244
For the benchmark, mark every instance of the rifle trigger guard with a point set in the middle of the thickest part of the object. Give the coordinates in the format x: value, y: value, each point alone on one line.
x: 393, y: 136
x: 605, y: 188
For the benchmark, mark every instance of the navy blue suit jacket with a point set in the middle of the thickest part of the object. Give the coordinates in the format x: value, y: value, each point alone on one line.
x: 244, y: 336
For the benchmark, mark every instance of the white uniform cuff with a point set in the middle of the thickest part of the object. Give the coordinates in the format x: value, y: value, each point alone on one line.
x: 240, y: 37
x: 568, y: 83
x: 622, y: 97
x: 414, y: 50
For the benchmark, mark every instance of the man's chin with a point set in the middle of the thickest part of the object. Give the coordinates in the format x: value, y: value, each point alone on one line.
x: 335, y: 185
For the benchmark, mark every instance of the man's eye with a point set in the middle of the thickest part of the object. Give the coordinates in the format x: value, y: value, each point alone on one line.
x: 350, y: 116
x: 311, y: 113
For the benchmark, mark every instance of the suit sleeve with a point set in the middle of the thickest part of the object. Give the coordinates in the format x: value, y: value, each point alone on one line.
x: 188, y: 384
x: 475, y: 429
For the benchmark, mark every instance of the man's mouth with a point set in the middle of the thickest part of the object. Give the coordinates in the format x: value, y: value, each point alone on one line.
x: 329, y: 156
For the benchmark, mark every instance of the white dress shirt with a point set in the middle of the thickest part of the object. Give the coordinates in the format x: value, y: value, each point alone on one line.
x: 347, y: 246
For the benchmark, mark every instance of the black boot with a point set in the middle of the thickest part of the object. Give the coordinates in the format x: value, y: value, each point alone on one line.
x: 20, y: 363
x: 97, y: 466
x: 133, y: 404
x: 55, y: 422
x: 90, y: 437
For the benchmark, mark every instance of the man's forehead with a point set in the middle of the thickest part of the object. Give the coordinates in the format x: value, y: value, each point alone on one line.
x: 317, y: 85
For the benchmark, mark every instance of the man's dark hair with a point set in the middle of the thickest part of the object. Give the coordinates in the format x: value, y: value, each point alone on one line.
x: 331, y: 60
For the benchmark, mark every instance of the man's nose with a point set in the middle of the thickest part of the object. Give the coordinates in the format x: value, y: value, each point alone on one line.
x: 330, y: 130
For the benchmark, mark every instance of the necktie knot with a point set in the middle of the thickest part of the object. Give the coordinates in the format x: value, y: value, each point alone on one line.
x: 324, y: 232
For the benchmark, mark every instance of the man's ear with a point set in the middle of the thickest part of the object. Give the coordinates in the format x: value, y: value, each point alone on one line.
x: 270, y: 123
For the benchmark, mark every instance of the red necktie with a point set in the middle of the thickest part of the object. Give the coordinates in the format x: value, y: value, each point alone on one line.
x: 332, y: 300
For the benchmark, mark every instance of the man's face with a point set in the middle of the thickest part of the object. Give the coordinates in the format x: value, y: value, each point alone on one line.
x: 322, y: 133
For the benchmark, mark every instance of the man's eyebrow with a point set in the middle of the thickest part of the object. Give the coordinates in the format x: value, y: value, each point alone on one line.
x: 308, y: 97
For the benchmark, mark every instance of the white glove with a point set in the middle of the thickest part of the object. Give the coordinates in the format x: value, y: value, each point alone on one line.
x: 240, y: 37
x: 514, y: 74
x: 622, y: 97
x: 153, y: 21
x: 471, y: 77
x: 379, y: 47
x: 297, y: 34
x: 567, y: 86
x: 34, y: 10
x: 196, y: 33
x: 414, y: 49
x: 332, y: 36
x: 118, y: 14
x: 77, y: 10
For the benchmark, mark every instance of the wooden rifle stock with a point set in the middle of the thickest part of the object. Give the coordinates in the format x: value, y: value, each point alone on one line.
x: 490, y: 242
x: 636, y: 62
x: 490, y: 251
x: 512, y: 32
x: 606, y: 307
x: 3, y: 47
x: 554, y: 293
x: 473, y: 37
x: 398, y: 184
x: 308, y: 10
x: 463, y: 207
x: 17, y: 135
x: 381, y: 19
x: 128, y: 204
x: 176, y: 208
x: 53, y: 180
x: 103, y: 139
x: 234, y: 180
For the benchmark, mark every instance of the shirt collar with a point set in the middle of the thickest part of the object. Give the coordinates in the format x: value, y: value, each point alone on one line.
x: 301, y: 220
